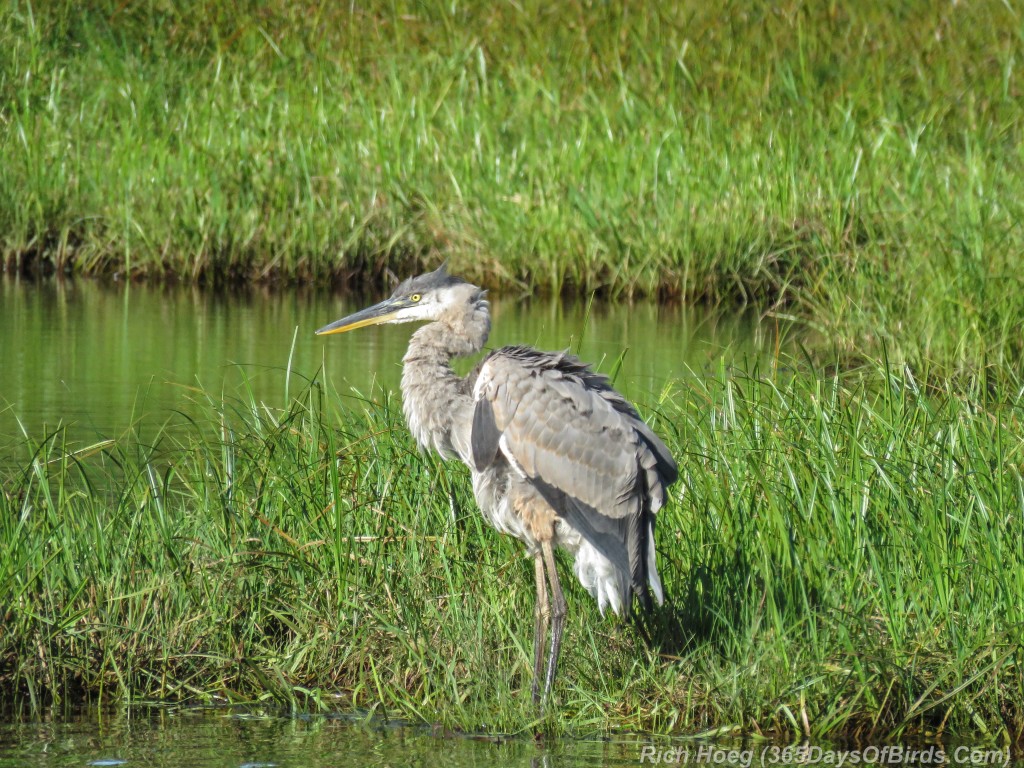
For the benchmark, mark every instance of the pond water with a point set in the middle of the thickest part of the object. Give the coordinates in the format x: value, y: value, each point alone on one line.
x: 98, y: 358
x: 200, y: 738
x: 209, y: 738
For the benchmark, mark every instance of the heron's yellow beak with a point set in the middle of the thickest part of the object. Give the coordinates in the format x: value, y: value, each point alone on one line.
x: 385, y: 312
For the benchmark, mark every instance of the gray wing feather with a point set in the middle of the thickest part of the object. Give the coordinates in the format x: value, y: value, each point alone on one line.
x: 485, y: 436
x: 580, y: 443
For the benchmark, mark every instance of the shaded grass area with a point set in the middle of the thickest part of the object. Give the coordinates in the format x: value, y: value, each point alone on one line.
x: 856, y: 164
x: 843, y: 556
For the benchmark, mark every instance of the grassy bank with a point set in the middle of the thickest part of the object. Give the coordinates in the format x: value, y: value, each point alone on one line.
x: 844, y: 557
x: 856, y: 164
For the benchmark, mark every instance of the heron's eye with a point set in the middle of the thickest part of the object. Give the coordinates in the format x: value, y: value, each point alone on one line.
x: 415, y: 297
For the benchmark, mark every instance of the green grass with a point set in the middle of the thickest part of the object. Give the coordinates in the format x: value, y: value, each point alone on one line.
x: 843, y: 556
x: 857, y: 165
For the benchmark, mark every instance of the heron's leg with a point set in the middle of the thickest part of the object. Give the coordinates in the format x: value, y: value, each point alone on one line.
x: 558, y: 611
x: 541, y: 613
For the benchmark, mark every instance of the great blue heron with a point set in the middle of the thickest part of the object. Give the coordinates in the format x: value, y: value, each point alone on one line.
x: 558, y: 457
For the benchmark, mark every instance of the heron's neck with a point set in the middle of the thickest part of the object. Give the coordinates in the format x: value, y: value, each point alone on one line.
x: 437, y: 402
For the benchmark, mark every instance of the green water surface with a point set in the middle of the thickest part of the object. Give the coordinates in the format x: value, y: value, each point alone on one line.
x: 99, y: 358
x: 204, y: 738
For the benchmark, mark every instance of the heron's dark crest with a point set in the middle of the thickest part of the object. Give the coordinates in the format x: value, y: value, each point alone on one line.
x: 425, y: 283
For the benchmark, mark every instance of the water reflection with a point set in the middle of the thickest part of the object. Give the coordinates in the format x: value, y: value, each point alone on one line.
x: 207, y: 737
x: 97, y: 358
x: 203, y: 737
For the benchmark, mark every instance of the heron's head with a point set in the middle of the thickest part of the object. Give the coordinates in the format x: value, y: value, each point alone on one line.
x: 425, y: 297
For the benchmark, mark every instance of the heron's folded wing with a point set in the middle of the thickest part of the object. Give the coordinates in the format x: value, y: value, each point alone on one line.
x: 553, y: 428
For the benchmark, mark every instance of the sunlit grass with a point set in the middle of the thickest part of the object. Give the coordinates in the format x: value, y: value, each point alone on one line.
x: 855, y: 164
x: 843, y: 556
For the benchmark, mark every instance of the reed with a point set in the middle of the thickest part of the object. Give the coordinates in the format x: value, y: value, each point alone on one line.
x: 842, y: 554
